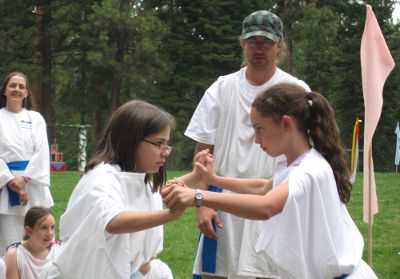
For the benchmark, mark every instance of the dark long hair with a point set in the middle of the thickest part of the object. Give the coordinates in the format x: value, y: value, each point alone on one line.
x: 29, y: 101
x: 316, y: 119
x: 35, y: 215
x: 126, y: 128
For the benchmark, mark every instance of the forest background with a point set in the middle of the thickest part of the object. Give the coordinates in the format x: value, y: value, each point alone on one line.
x: 86, y: 57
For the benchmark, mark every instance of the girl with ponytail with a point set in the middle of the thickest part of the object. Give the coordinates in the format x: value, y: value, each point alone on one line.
x: 308, y: 232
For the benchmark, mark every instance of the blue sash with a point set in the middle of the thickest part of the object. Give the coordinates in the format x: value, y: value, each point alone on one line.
x: 209, y: 256
x: 341, y: 276
x: 13, y: 197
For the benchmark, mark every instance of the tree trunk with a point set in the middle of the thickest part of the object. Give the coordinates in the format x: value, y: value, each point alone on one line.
x: 42, y: 85
x: 98, y: 118
x: 289, y: 59
x: 117, y: 79
x: 282, y: 8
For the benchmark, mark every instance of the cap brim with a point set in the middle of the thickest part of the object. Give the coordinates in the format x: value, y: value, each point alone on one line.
x: 268, y: 35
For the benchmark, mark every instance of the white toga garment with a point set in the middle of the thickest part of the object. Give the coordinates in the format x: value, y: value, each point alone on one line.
x: 87, y: 250
x: 23, y: 137
x: 30, y: 267
x: 314, y: 236
x: 3, y: 269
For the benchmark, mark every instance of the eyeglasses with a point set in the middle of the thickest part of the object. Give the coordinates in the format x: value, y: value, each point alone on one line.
x: 163, y: 147
x: 264, y: 44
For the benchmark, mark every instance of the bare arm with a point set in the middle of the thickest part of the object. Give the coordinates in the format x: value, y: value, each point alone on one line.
x: 242, y: 205
x: 203, y: 146
x: 205, y: 215
x: 243, y: 185
x: 255, y: 186
x: 250, y: 206
x: 200, y: 147
x: 133, y: 221
x: 193, y: 178
x: 10, y: 259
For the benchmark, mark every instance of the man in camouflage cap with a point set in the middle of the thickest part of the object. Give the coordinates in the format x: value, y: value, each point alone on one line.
x: 221, y: 123
x: 263, y: 23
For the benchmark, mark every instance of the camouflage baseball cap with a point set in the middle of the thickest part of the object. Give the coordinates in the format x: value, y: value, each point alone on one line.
x: 263, y: 23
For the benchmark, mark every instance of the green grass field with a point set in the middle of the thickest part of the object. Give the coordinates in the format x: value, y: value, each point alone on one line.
x: 181, y: 236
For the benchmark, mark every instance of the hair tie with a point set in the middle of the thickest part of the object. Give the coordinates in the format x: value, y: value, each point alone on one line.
x: 309, y: 97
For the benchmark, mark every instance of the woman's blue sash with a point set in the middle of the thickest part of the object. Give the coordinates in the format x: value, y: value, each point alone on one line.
x: 13, y: 197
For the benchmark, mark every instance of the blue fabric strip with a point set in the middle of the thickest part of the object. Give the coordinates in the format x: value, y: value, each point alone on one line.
x: 341, y: 276
x: 197, y: 276
x: 13, y: 197
x: 209, y: 256
x: 18, y: 165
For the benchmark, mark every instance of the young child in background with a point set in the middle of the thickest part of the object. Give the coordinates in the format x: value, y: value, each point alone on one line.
x: 308, y: 232
x: 112, y: 227
x: 26, y: 259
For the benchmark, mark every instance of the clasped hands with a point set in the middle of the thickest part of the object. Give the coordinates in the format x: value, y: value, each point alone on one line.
x: 17, y: 184
x: 176, y: 193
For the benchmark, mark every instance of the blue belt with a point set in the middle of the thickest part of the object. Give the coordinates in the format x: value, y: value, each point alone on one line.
x: 209, y: 255
x: 13, y: 197
x: 341, y: 276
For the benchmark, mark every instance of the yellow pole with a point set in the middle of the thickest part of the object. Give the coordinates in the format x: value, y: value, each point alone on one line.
x: 369, y: 209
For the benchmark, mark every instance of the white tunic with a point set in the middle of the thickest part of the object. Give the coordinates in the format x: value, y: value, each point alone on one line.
x: 314, y: 236
x: 88, y: 251
x: 30, y: 267
x: 23, y: 136
x: 158, y: 270
x: 3, y: 269
x: 222, y: 119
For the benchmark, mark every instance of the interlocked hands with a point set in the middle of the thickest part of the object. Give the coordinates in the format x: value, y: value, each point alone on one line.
x: 17, y: 184
x: 176, y: 194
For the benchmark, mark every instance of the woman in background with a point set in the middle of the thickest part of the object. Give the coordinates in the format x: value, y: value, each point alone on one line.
x: 24, y: 158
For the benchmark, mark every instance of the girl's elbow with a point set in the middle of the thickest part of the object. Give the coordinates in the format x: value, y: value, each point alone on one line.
x: 113, y: 227
x: 265, y: 214
x: 257, y: 215
x: 110, y: 229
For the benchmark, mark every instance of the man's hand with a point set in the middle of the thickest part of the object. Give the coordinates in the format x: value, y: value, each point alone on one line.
x: 205, y: 216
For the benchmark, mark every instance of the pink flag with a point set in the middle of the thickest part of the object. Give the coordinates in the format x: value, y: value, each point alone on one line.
x: 376, y: 65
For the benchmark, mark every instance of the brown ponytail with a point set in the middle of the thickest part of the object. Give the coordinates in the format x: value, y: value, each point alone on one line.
x: 316, y: 119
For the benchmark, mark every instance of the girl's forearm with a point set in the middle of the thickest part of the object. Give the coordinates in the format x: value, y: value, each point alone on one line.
x: 242, y: 205
x: 243, y: 185
x: 190, y: 179
x: 134, y: 221
x: 257, y: 207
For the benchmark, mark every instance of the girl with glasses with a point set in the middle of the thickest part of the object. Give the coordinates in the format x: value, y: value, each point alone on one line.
x: 112, y: 227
